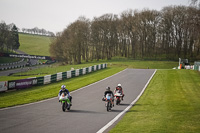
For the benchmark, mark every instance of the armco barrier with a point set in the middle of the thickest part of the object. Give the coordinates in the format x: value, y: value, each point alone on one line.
x: 59, y: 76
x: 40, y: 80
x: 90, y: 69
x: 53, y: 78
x: 26, y: 83
x: 87, y: 70
x: 84, y: 71
x: 47, y: 79
x: 69, y: 74
x: 77, y: 72
x: 64, y: 75
x: 73, y: 73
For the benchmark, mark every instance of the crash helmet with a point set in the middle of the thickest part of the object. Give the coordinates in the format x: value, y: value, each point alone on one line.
x: 63, y: 87
x: 107, y: 88
x: 119, y: 85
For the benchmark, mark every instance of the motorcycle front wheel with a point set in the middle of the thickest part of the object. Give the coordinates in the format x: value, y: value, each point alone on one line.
x: 118, y: 101
x: 63, y: 107
x: 108, y: 106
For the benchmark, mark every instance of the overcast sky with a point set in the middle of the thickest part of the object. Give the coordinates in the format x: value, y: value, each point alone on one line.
x: 56, y: 15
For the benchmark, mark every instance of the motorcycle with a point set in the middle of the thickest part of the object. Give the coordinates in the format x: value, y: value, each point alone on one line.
x: 108, y: 102
x: 118, y: 96
x: 64, y: 101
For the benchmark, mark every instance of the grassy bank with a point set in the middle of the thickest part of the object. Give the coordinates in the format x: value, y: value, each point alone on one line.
x: 169, y: 104
x: 34, y: 44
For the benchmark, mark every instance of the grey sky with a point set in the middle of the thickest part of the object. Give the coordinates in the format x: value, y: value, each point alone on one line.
x: 55, y: 15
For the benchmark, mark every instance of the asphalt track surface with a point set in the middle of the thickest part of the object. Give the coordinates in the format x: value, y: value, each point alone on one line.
x: 88, y: 113
x: 19, y: 70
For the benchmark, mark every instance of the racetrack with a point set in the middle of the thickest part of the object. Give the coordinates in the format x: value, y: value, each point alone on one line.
x: 88, y: 113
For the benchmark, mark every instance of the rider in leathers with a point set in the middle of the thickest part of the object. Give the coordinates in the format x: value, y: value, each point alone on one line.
x: 108, y: 91
x: 65, y: 91
x: 119, y: 88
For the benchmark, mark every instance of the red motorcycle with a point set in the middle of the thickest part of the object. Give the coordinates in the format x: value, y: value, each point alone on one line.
x: 118, y: 96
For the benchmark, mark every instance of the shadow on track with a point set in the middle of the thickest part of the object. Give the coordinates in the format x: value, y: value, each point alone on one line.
x: 113, y: 110
x: 83, y: 111
x: 123, y: 104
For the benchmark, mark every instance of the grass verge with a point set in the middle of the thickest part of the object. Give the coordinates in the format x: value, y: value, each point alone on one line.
x: 169, y: 104
x: 8, y: 60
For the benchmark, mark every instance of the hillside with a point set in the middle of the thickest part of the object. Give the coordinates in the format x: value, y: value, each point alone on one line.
x: 34, y: 44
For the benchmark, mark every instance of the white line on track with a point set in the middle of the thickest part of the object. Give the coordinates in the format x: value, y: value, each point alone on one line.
x: 57, y: 97
x: 126, y: 109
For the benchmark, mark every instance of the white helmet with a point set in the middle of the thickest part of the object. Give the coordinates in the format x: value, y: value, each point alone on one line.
x: 119, y: 85
x: 63, y: 87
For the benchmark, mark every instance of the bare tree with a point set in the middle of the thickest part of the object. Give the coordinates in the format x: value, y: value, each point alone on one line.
x: 170, y: 33
x: 195, y: 3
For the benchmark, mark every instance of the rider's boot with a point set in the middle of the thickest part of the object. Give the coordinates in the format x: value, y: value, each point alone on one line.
x: 68, y: 105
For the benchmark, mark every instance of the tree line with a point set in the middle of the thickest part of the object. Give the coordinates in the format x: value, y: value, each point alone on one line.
x: 9, y: 38
x: 170, y: 33
x: 38, y: 31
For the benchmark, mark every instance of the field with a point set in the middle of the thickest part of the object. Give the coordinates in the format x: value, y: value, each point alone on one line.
x: 34, y: 44
x: 31, y: 44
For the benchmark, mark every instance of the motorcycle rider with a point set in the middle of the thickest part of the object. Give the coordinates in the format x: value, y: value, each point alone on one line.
x: 119, y: 88
x: 108, y: 91
x: 65, y: 91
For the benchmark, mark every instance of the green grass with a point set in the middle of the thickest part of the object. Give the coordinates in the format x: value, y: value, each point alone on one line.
x: 8, y: 60
x: 141, y: 64
x: 34, y: 44
x: 169, y: 104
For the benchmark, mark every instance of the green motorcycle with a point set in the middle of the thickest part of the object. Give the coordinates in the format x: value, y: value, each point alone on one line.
x: 64, y: 101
